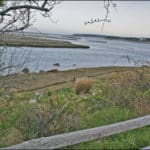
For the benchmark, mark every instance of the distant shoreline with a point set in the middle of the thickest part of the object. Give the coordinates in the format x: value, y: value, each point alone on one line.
x: 16, y: 40
x: 111, y: 37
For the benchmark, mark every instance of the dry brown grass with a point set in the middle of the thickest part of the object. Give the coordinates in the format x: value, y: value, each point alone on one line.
x: 127, y: 78
x: 142, y: 107
x: 83, y: 85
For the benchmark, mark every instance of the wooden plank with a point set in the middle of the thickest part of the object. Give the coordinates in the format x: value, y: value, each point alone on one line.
x: 67, y: 139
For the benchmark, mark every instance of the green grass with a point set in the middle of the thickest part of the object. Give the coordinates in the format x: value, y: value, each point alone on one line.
x: 134, y: 139
x: 107, y: 116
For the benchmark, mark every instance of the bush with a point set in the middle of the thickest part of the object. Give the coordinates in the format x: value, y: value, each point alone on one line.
x: 83, y: 85
x: 25, y: 70
x: 33, y: 123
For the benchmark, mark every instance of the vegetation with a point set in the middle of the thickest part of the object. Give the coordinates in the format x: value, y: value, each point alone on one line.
x: 83, y: 85
x: 119, y: 97
x: 134, y: 139
x: 25, y: 70
x: 29, y: 115
x: 27, y: 41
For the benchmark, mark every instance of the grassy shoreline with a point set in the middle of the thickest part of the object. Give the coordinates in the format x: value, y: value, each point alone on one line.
x: 27, y: 41
x: 44, y: 79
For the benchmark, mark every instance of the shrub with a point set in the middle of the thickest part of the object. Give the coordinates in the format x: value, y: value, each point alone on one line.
x: 53, y: 70
x: 25, y: 70
x: 83, y: 85
x: 12, y: 137
x: 33, y: 123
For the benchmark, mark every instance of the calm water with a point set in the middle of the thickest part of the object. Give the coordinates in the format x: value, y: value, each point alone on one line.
x: 111, y: 53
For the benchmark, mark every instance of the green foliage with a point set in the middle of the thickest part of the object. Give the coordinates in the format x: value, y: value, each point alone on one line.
x: 25, y: 70
x: 31, y: 122
x: 106, y: 116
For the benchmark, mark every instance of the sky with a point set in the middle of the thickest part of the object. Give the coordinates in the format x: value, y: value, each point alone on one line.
x: 130, y: 18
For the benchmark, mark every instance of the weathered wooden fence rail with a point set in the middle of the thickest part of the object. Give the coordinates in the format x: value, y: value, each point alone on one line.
x: 67, y: 139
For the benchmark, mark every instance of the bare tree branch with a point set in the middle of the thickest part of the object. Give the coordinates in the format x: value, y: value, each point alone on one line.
x: 2, y: 13
x: 107, y: 4
x: 18, y: 15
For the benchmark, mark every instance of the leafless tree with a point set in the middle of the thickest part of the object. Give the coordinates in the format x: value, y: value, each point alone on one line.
x: 16, y: 16
x: 19, y: 15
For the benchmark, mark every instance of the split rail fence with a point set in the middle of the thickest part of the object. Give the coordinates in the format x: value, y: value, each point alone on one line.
x: 72, y: 138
